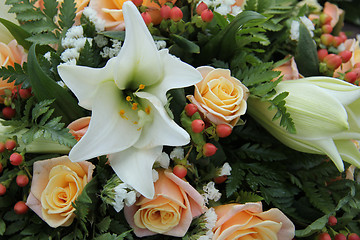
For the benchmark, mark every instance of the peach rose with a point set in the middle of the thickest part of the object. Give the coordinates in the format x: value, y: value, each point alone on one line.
x: 334, y: 12
x: 288, y: 70
x: 220, y: 97
x: 248, y: 221
x: 111, y: 12
x: 171, y: 210
x: 56, y: 184
x: 79, y: 127
x: 9, y: 55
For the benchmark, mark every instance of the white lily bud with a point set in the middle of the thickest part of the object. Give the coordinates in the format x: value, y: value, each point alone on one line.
x: 326, y: 113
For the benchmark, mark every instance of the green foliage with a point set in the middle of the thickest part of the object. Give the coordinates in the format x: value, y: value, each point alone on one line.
x: 17, y: 73
x: 89, y: 56
x: 37, y: 122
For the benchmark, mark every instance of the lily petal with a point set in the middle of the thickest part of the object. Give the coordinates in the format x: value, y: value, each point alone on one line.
x: 84, y: 81
x: 348, y: 152
x: 134, y: 166
x: 162, y: 130
x: 109, y: 131
x: 177, y: 74
x: 138, y: 56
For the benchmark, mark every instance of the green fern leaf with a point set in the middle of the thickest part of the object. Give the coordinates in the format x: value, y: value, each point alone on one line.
x: 44, y: 38
x: 234, y: 180
x: 245, y: 197
x: 67, y: 14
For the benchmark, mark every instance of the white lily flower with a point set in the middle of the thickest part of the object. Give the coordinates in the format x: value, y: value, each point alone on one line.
x: 129, y: 122
x: 326, y: 113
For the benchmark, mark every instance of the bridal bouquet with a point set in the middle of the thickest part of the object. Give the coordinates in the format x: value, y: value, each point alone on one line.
x: 178, y: 119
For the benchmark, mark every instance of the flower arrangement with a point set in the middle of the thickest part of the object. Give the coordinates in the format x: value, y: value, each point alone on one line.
x: 178, y: 120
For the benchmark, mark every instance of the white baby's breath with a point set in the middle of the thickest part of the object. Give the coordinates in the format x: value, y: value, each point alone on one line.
x: 211, y: 193
x: 92, y: 16
x: 124, y: 195
x: 163, y: 160
x: 177, y: 152
x: 225, y: 170
x: 155, y: 175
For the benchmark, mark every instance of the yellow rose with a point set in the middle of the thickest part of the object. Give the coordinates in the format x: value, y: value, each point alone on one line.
x: 248, y: 221
x: 220, y: 97
x: 56, y: 184
x: 171, y: 210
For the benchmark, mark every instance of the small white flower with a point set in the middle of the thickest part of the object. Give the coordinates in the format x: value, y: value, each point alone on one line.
x: 101, y: 40
x: 92, y: 15
x: 211, y: 193
x: 294, y: 30
x: 235, y: 10
x: 75, y: 32
x: 223, y: 9
x: 47, y: 56
x: 163, y: 160
x: 177, y: 152
x: 309, y: 24
x: 225, y: 170
x: 210, y: 218
x: 123, y: 194
x: 69, y: 54
x: 160, y: 44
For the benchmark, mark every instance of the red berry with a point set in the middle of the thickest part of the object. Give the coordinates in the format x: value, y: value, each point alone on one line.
x: 1, y: 168
x: 16, y: 159
x: 322, y: 53
x: 220, y: 179
x: 357, y: 65
x: 165, y: 12
x: 22, y: 180
x: 345, y: 55
x: 343, y: 36
x: 337, y: 41
x: 327, y: 28
x: 176, y: 14
x: 209, y: 149
x: 147, y: 17
x: 332, y: 61
x: 137, y: 3
x: 223, y: 130
x: 197, y: 126
x: 340, y: 236
x: 201, y: 7
x: 332, y: 221
x: 326, y: 39
x: 25, y: 93
x: 190, y: 109
x: 350, y: 77
x: 180, y: 171
x: 2, y: 147
x: 207, y: 15
x: 10, y: 144
x: 2, y: 189
x: 325, y: 19
x: 8, y: 112
x: 324, y: 236
x: 21, y: 208
x: 353, y: 236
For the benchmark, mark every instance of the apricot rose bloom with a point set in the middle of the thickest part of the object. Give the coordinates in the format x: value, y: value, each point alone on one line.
x: 170, y: 212
x: 288, y: 70
x: 220, y: 97
x: 248, y: 221
x: 56, y: 184
x: 9, y: 55
x: 79, y: 127
x: 334, y: 12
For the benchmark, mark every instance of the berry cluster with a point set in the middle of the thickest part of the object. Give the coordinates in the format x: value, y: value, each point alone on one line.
x: 8, y: 111
x: 332, y: 53
x: 332, y: 221
x: 16, y: 170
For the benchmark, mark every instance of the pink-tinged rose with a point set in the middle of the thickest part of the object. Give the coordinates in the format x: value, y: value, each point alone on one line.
x: 334, y: 12
x: 289, y: 70
x: 111, y: 12
x: 56, y: 184
x: 220, y: 98
x: 79, y: 127
x: 9, y: 55
x: 248, y: 221
x: 170, y: 212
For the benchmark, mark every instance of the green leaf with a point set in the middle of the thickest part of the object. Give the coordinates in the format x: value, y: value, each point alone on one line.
x: 43, y: 38
x: 18, y: 33
x: 2, y: 227
x: 104, y: 225
x: 223, y: 43
x: 67, y: 14
x: 50, y: 8
x: 185, y: 44
x: 234, y: 181
x: 245, y: 197
x: 306, y: 54
x: 88, y: 56
x: 45, y: 88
